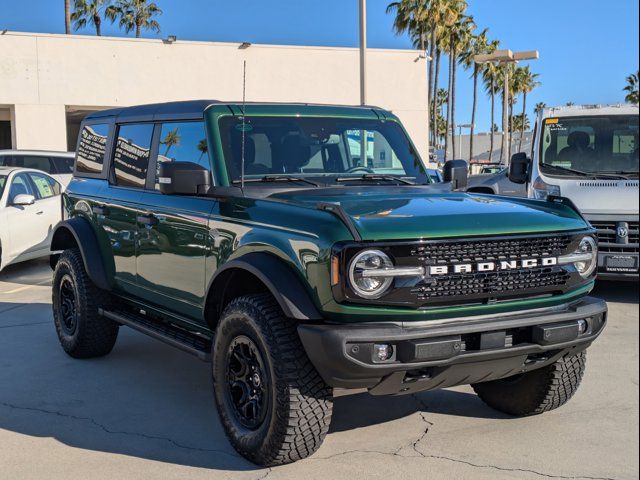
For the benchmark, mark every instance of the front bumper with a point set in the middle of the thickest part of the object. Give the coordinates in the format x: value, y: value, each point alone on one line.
x: 453, y: 352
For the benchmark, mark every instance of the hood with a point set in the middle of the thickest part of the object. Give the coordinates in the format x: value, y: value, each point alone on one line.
x: 618, y: 197
x: 403, y: 213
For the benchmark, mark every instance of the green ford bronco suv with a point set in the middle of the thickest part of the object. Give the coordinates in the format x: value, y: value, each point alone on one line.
x: 301, y: 248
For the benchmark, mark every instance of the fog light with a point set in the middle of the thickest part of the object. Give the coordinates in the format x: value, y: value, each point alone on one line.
x: 383, y: 352
x: 583, y: 326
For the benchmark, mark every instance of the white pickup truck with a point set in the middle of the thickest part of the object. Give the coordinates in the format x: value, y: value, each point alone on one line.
x: 588, y: 154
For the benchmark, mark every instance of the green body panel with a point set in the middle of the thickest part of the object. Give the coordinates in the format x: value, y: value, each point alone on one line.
x: 170, y: 266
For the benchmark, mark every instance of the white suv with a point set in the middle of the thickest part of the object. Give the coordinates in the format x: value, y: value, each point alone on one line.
x: 57, y: 164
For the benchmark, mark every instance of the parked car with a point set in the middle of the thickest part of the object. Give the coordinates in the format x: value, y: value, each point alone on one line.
x: 491, y: 168
x: 260, y: 243
x: 29, y: 210
x: 588, y: 154
x: 57, y: 164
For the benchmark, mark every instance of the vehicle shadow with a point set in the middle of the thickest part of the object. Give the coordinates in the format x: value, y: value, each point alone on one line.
x: 620, y: 292
x: 148, y: 400
x: 27, y: 273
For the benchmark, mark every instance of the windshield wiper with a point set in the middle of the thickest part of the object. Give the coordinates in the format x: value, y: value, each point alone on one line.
x: 594, y: 175
x: 375, y: 178
x: 276, y: 178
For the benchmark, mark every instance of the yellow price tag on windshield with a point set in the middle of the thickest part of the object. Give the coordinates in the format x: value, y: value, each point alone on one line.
x: 551, y: 121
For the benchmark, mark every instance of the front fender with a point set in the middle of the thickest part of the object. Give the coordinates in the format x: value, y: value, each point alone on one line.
x: 286, y: 287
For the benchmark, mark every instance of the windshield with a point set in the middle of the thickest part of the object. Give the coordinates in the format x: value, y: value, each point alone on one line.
x: 590, y: 144
x: 3, y: 181
x: 318, y: 147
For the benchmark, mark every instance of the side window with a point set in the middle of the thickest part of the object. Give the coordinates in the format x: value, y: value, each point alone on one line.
x: 131, y: 156
x: 62, y: 165
x: 4, y: 160
x: 183, y: 142
x: 32, y: 161
x: 20, y: 185
x: 93, y: 143
x: 45, y: 186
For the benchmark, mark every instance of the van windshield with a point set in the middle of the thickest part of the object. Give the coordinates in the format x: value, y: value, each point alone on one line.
x: 318, y: 148
x: 573, y: 146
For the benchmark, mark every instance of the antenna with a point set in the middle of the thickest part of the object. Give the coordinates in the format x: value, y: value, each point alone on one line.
x: 244, y: 121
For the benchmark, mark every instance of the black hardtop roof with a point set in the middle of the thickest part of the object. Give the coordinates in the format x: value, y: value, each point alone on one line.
x: 188, y: 109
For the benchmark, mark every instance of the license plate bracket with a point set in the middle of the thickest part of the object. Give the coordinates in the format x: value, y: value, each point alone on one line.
x: 621, y: 263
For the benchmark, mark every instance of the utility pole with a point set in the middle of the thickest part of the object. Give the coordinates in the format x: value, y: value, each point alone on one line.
x: 505, y: 57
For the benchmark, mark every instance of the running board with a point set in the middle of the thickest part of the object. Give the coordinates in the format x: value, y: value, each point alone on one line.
x: 171, y: 335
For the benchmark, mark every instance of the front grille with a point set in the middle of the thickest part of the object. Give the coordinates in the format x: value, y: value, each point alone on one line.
x: 492, y: 284
x: 488, y: 250
x: 474, y: 287
x: 610, y: 242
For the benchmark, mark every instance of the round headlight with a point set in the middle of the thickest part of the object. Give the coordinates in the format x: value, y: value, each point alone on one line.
x: 588, y: 251
x: 362, y: 276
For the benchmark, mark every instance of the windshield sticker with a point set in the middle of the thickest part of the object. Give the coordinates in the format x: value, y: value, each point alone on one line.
x: 551, y: 121
x: 244, y: 127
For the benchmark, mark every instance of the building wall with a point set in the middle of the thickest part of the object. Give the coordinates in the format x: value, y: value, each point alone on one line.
x: 41, y: 76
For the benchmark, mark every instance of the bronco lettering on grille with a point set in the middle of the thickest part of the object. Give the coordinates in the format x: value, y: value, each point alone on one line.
x: 464, y: 268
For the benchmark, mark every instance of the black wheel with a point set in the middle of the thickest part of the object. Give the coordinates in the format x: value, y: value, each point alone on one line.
x: 273, y: 404
x: 82, y: 332
x: 537, y: 391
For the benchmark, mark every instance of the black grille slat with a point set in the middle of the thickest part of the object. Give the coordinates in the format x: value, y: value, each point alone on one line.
x: 607, y: 232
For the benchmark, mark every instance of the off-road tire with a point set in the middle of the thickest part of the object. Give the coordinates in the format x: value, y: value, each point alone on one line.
x: 299, y: 413
x: 93, y: 335
x: 537, y: 391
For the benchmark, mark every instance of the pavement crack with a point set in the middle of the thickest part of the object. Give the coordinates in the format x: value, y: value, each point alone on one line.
x: 106, y: 429
x: 22, y: 324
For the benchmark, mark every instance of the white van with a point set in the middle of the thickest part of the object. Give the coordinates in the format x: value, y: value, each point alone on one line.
x: 589, y: 154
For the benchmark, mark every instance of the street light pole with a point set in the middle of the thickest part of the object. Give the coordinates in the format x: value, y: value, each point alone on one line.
x: 505, y: 57
x: 363, y: 52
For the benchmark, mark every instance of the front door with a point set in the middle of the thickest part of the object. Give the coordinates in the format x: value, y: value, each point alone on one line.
x: 173, y: 230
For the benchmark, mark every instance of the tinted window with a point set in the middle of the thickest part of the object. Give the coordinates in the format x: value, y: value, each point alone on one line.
x: 131, y: 156
x: 20, y: 186
x: 62, y: 165
x: 3, y: 181
x: 45, y: 186
x: 93, y: 143
x: 183, y: 142
x: 32, y: 161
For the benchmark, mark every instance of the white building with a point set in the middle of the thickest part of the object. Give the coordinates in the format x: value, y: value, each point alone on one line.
x: 49, y: 82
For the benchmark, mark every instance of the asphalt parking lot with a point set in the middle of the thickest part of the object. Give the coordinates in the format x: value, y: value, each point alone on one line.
x: 146, y: 411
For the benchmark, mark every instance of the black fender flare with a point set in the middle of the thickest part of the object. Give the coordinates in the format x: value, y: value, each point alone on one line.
x: 78, y: 231
x: 286, y: 287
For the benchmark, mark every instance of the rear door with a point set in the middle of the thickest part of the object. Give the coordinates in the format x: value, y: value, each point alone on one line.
x: 173, y: 230
x: 48, y: 200
x: 118, y: 215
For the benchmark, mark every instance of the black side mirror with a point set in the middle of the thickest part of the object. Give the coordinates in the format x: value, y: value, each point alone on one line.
x: 456, y: 172
x: 519, y: 168
x: 183, y: 178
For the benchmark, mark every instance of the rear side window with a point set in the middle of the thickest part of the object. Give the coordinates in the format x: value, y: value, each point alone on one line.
x: 182, y: 142
x: 62, y: 165
x: 32, y: 161
x: 131, y: 156
x: 93, y: 143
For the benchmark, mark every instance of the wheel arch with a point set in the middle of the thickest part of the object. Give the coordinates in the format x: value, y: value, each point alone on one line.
x: 259, y: 272
x: 77, y: 233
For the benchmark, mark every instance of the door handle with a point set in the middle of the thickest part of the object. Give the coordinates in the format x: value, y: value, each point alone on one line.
x: 147, y: 220
x: 104, y: 211
x: 39, y: 212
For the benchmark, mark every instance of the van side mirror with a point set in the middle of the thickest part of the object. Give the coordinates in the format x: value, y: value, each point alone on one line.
x: 23, y: 199
x: 519, y: 168
x: 183, y: 178
x: 456, y: 172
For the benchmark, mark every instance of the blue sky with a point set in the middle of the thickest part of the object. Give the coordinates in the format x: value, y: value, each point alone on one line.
x: 587, y: 47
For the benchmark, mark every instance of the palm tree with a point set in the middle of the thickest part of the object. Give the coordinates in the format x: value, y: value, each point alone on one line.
x: 539, y: 107
x: 528, y: 82
x: 134, y: 15
x: 88, y: 11
x: 456, y: 40
x: 521, y: 122
x: 67, y: 17
x: 632, y: 89
x: 479, y: 45
x: 202, y: 147
x: 570, y: 104
x: 170, y: 140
